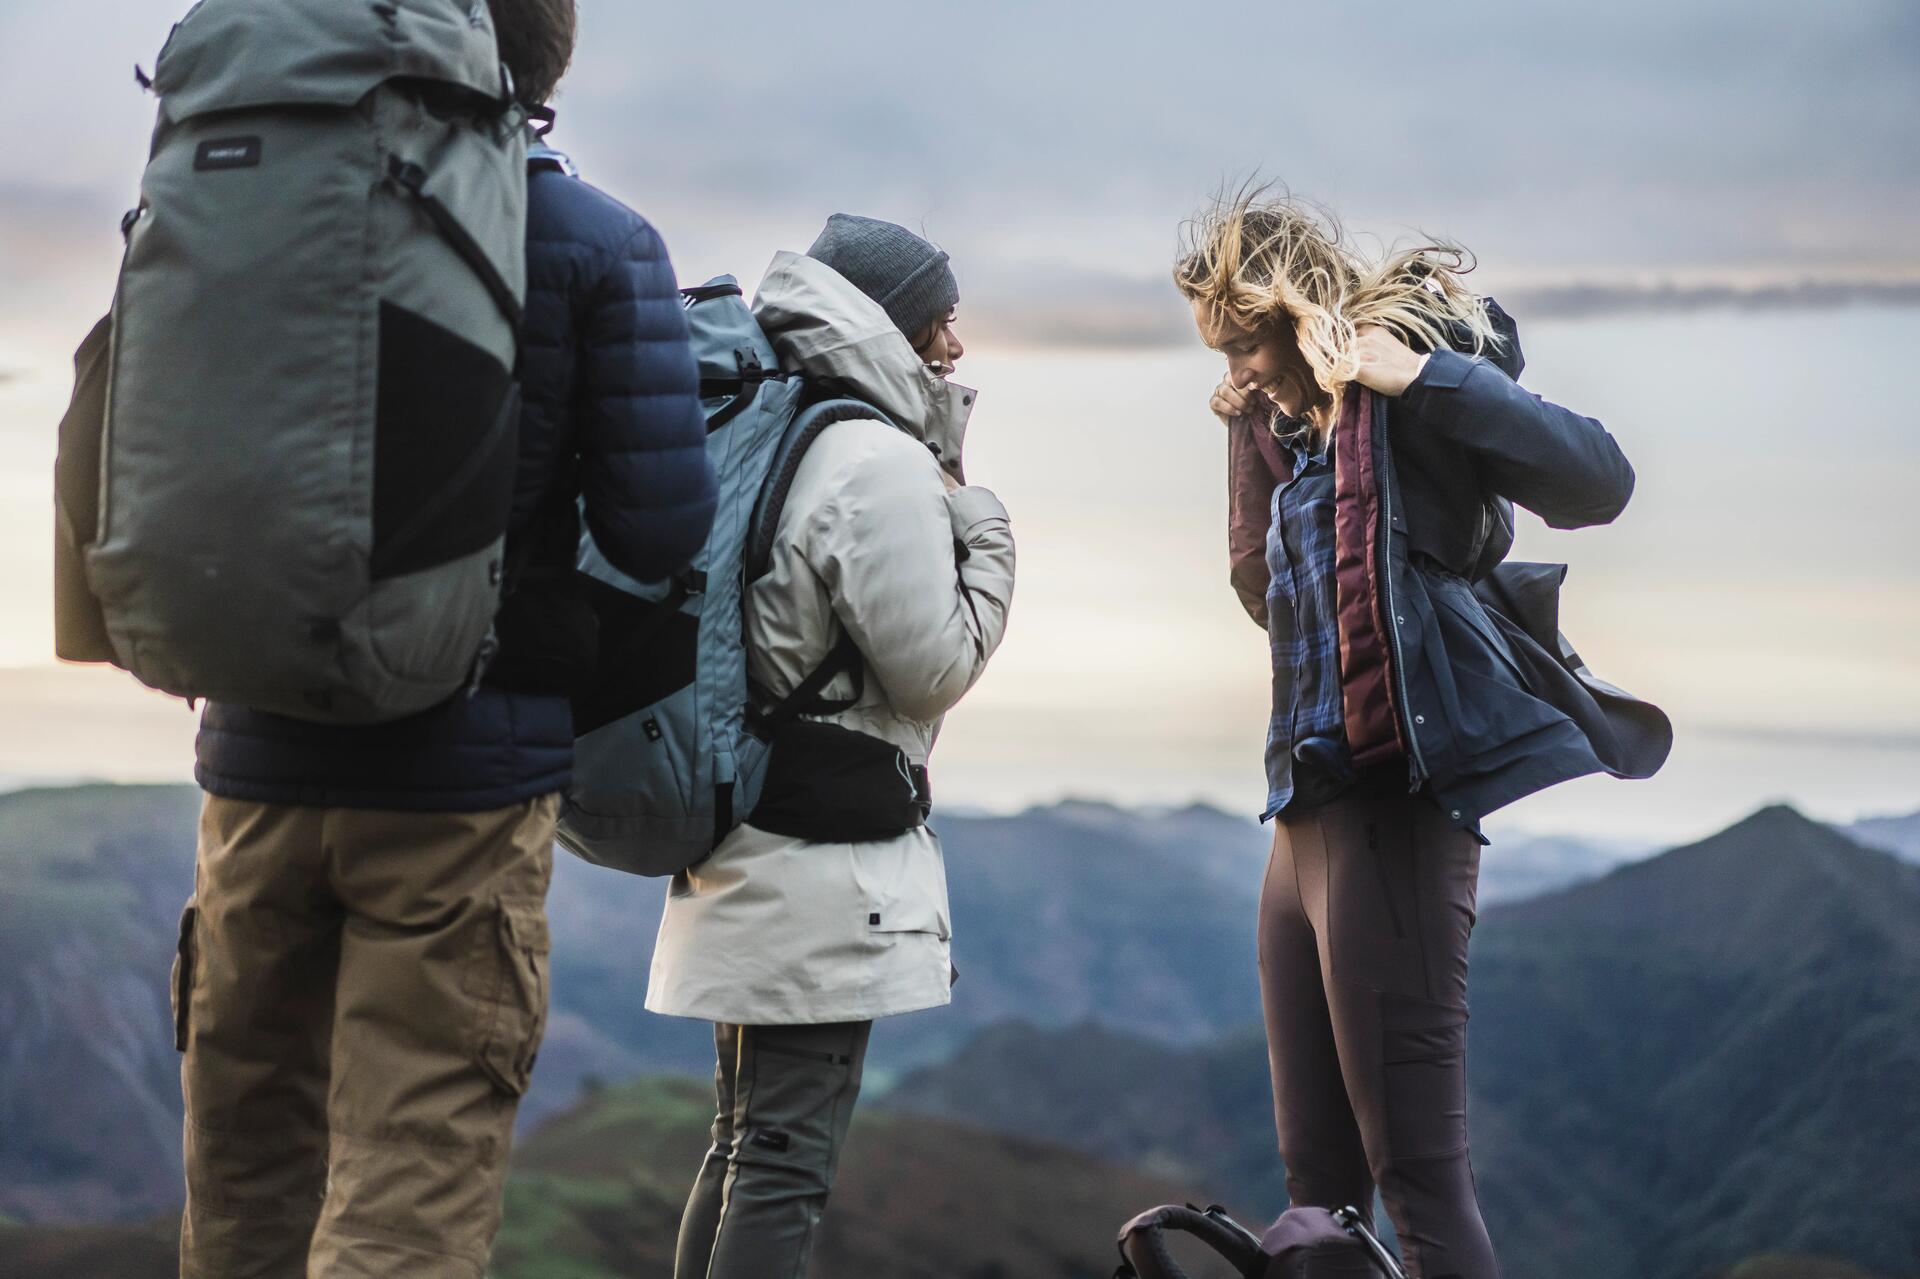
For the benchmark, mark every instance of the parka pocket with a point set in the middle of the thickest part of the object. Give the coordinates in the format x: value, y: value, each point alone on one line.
x: 905, y: 885
x: 180, y: 981
x: 508, y: 975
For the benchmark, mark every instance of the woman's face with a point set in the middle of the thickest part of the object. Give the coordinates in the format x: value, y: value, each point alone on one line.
x: 1268, y: 361
x: 939, y: 347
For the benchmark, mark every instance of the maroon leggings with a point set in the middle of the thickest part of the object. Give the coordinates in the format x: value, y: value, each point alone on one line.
x: 1364, y: 921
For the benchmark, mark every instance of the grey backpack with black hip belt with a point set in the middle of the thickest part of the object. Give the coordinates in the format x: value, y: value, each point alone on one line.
x: 310, y: 415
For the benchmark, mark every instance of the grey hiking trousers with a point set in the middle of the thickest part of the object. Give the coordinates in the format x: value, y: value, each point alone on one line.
x: 1364, y: 920
x: 785, y: 1098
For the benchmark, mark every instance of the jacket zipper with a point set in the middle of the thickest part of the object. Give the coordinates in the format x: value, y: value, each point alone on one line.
x: 1418, y: 774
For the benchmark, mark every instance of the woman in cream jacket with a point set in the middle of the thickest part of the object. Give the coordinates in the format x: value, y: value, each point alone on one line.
x: 793, y: 947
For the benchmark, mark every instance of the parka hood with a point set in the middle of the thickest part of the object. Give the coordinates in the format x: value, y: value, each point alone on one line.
x: 823, y: 326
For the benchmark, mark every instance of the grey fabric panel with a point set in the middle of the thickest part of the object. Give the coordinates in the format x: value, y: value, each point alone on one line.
x: 230, y: 54
x: 411, y: 641
x: 481, y: 178
x: 242, y: 324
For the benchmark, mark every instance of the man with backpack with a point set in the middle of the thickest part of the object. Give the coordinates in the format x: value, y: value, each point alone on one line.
x: 362, y: 977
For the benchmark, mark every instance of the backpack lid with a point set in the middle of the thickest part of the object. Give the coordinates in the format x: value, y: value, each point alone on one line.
x: 727, y: 340
x: 231, y: 54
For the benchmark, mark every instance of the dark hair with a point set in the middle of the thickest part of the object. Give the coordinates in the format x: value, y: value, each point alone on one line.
x: 536, y: 42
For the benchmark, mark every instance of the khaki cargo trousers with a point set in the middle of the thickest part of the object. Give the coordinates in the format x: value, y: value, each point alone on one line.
x: 359, y: 996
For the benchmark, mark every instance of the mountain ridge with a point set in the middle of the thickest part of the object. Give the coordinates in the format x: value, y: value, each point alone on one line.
x: 1671, y: 1067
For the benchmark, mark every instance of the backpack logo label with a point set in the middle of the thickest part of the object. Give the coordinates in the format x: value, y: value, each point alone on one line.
x: 227, y: 153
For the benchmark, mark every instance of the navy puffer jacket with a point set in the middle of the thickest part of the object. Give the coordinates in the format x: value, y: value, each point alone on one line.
x: 611, y: 412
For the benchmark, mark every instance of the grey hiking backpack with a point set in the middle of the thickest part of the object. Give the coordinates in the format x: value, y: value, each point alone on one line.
x: 311, y: 423
x: 671, y: 747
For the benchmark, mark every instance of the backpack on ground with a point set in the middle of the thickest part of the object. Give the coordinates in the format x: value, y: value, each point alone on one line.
x: 672, y: 747
x: 295, y: 492
x: 1303, y: 1243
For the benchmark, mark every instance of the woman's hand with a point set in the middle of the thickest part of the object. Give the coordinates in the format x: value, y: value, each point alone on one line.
x: 1229, y: 401
x: 949, y: 479
x: 1383, y: 362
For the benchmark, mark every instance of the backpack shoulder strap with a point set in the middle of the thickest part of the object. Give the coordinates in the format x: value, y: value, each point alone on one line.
x: 845, y: 655
x: 805, y: 429
x: 1143, y: 1245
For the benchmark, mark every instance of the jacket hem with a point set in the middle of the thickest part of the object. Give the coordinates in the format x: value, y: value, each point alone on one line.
x: 306, y: 795
x: 813, y: 1014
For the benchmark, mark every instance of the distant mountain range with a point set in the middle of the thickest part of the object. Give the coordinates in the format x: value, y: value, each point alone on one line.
x: 92, y: 880
x: 1689, y: 1060
x: 1696, y: 1058
x: 1066, y: 913
x: 1897, y: 835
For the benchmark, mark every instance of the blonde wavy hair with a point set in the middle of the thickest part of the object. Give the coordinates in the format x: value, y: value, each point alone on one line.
x: 1263, y: 260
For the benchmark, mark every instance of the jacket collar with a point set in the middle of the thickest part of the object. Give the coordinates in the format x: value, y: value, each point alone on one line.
x: 540, y: 155
x: 823, y: 326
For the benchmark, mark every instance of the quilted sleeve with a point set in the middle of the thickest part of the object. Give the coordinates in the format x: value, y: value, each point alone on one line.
x: 645, y: 478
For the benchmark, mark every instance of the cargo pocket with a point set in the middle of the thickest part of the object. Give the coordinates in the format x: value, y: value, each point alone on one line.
x: 509, y: 976
x: 180, y: 983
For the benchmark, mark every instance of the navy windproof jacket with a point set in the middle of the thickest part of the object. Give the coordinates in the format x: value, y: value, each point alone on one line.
x: 1451, y: 657
x: 610, y: 414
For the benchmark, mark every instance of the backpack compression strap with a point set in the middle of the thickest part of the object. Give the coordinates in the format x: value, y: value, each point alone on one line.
x: 1143, y: 1244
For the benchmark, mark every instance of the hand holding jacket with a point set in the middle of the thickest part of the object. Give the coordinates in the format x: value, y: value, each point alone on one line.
x: 886, y: 536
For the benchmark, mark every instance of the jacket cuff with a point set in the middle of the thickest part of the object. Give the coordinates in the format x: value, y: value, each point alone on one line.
x: 1445, y: 370
x: 971, y: 506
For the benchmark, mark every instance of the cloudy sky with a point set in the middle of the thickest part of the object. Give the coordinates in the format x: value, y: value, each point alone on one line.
x: 1702, y: 212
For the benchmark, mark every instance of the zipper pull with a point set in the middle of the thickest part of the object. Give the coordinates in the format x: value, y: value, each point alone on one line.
x: 489, y: 649
x: 407, y: 174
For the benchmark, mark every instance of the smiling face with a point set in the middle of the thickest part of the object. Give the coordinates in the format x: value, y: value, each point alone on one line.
x: 938, y: 346
x: 1269, y: 361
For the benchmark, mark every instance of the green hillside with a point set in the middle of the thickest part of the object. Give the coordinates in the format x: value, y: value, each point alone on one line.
x: 597, y: 1193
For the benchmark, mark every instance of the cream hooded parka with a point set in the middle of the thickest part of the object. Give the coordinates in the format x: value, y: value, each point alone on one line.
x: 773, y: 930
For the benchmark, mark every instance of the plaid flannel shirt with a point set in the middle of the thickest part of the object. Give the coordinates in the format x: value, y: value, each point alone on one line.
x: 1304, y: 636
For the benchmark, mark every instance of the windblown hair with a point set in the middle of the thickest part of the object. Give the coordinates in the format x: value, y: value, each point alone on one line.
x: 536, y: 42
x: 1265, y: 260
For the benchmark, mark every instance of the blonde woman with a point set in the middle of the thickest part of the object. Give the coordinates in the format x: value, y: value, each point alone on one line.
x: 1378, y: 442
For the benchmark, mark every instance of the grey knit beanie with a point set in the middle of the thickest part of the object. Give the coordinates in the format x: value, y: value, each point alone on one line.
x: 908, y: 277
